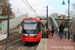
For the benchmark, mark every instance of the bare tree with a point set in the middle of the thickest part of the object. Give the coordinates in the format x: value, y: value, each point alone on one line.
x: 54, y: 15
x: 72, y: 12
x: 5, y: 8
x: 73, y: 5
x: 63, y: 16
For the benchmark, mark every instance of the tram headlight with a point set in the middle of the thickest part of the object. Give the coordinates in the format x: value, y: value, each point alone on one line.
x: 23, y: 36
x: 34, y: 36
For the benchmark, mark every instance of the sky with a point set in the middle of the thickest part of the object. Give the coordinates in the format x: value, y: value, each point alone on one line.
x: 20, y: 7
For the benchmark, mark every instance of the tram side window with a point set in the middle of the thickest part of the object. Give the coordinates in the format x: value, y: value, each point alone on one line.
x: 38, y: 27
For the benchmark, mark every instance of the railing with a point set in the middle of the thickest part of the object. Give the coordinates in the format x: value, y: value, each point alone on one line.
x: 65, y: 34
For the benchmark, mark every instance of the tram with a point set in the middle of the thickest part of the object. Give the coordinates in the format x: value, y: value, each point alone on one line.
x: 31, y: 29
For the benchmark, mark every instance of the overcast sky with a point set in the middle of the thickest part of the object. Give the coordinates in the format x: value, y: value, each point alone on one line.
x: 54, y: 6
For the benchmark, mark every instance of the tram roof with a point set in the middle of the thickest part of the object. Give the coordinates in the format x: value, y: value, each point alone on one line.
x: 38, y: 20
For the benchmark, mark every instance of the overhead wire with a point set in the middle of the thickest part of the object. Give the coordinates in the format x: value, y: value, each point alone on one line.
x: 31, y: 7
x: 17, y: 10
x: 28, y: 5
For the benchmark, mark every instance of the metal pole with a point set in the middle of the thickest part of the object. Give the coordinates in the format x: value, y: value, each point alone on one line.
x: 68, y: 17
x: 7, y: 26
x: 8, y: 20
x: 63, y: 20
x: 47, y: 21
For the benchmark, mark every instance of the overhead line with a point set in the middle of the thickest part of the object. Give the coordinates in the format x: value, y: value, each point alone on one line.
x: 30, y: 6
x: 18, y: 11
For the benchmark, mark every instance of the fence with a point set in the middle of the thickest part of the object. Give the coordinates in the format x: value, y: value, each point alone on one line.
x: 66, y: 35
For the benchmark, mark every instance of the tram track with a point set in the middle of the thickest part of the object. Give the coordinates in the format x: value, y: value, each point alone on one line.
x: 3, y: 47
x: 10, y: 42
x: 11, y: 38
x: 21, y: 47
x: 16, y: 46
x: 29, y: 46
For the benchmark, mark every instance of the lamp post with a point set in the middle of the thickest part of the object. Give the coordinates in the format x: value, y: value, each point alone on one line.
x: 68, y: 15
x: 47, y: 21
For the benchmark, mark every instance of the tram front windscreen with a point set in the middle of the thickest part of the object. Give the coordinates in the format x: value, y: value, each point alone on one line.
x: 29, y: 26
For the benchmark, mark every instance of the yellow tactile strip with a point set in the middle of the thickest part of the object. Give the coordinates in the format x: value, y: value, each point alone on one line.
x: 45, y: 44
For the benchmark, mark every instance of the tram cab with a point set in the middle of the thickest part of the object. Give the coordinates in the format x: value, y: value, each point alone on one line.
x: 31, y: 29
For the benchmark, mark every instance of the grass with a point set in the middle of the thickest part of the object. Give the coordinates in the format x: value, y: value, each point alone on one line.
x: 14, y: 28
x: 13, y: 33
x: 14, y: 36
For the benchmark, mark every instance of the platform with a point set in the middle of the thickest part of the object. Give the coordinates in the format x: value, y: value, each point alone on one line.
x: 42, y: 44
x: 3, y: 36
x: 56, y: 44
